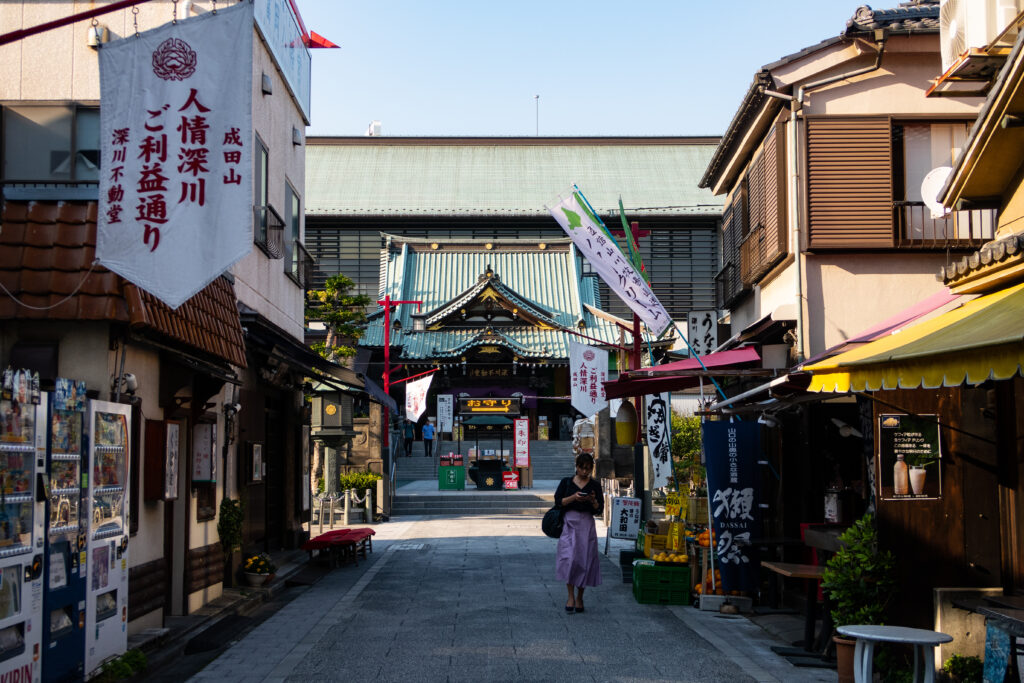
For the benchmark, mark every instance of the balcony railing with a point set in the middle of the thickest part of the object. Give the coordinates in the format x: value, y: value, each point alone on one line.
x: 303, y: 267
x: 915, y: 227
x: 268, y: 231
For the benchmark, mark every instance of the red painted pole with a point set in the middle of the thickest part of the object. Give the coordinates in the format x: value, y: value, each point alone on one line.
x: 57, y: 23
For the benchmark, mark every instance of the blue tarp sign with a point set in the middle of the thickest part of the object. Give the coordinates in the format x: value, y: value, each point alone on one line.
x: 730, y: 453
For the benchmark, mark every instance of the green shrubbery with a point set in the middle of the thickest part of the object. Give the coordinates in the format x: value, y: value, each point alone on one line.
x: 124, y: 667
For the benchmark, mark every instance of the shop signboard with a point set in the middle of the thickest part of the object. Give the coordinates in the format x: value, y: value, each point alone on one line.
x: 909, y: 457
x: 522, y: 442
x: 490, y: 406
x: 702, y: 331
x: 625, y: 521
x: 659, y: 440
x: 510, y: 480
x: 731, y: 452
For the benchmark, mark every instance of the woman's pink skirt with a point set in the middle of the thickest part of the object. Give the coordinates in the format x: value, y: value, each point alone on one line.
x: 577, y: 560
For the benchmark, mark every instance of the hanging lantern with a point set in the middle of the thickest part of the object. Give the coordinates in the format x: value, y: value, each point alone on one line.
x: 625, y: 424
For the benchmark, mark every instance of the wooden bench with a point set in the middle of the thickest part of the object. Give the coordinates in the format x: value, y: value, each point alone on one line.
x: 812, y: 573
x: 341, y: 546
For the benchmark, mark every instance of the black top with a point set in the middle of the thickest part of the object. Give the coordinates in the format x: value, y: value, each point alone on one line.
x: 568, y: 486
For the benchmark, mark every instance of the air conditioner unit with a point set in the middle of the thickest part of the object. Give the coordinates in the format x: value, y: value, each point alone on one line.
x: 967, y: 24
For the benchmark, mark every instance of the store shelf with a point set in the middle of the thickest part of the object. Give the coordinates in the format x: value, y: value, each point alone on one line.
x: 63, y: 529
x: 66, y: 456
x: 107, y: 533
x: 108, y: 449
x: 11, y: 551
x: 11, y: 498
x: 17, y: 447
x: 64, y: 492
x: 107, y: 489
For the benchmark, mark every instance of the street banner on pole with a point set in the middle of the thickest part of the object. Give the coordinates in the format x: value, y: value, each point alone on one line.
x: 522, y: 442
x: 702, y: 331
x: 597, y: 245
x: 588, y: 370
x: 416, y: 397
x: 659, y: 438
x: 445, y: 412
x: 731, y: 453
x: 175, y: 190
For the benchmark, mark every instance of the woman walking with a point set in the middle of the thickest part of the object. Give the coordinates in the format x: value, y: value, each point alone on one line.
x: 577, y: 561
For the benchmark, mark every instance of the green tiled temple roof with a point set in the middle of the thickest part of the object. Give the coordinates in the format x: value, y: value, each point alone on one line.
x: 466, y: 177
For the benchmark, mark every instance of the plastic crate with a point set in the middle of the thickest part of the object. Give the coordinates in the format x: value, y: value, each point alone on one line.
x: 660, y: 594
x: 647, y: 576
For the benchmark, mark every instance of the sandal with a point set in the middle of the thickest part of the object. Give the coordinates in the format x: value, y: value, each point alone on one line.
x: 569, y: 609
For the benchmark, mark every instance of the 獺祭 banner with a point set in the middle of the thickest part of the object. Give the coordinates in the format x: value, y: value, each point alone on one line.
x: 588, y: 370
x: 597, y: 245
x: 731, y: 453
x: 416, y: 397
x: 175, y: 191
x: 659, y: 437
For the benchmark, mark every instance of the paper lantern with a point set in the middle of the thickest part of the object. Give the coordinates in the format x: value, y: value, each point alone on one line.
x: 625, y: 424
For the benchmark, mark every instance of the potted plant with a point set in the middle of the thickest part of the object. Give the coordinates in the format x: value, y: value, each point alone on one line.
x: 859, y: 583
x: 258, y: 569
x: 229, y: 528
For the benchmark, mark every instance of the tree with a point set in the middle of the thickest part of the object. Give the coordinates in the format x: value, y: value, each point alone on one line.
x: 343, y: 314
x: 686, y: 445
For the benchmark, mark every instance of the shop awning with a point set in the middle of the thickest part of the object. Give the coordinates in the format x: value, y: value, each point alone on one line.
x: 685, y: 374
x: 981, y: 340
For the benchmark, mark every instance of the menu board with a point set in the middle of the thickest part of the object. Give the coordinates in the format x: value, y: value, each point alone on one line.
x: 204, y: 467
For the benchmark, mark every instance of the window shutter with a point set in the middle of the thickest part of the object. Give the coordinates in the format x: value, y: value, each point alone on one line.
x: 849, y: 186
x: 764, y: 243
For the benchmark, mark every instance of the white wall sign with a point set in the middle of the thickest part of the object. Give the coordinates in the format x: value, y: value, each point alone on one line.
x: 416, y: 397
x: 445, y: 412
x: 204, y: 446
x: 175, y: 192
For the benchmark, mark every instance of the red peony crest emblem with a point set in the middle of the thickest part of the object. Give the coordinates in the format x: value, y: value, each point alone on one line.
x: 588, y: 355
x: 174, y: 60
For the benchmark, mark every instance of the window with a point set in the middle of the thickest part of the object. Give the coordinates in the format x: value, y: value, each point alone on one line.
x: 261, y: 192
x: 51, y: 144
x: 293, y: 261
x: 922, y: 147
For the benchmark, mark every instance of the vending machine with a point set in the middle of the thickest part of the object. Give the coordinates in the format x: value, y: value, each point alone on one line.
x: 106, y: 603
x: 22, y: 458
x: 64, y: 574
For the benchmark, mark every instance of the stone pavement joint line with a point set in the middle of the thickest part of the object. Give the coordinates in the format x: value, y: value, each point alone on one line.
x: 480, y: 602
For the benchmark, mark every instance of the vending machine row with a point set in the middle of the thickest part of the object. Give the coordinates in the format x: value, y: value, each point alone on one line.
x: 63, y: 532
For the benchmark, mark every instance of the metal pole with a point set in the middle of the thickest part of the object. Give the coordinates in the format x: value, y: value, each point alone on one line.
x: 347, y: 500
x: 369, y: 506
x: 57, y: 23
x: 387, y: 370
x: 322, y: 515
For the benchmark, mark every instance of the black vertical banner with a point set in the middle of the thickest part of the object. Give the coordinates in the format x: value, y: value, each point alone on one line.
x: 730, y: 452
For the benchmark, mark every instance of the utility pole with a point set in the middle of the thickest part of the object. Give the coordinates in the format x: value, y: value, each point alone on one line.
x: 536, y: 106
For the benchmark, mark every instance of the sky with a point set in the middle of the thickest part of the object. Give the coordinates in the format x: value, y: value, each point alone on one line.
x: 462, y: 67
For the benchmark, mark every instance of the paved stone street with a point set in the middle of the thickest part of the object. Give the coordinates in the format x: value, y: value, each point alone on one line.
x: 475, y: 599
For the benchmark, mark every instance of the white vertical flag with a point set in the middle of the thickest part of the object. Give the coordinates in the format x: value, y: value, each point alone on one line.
x: 416, y: 397
x: 175, y: 193
x: 588, y: 371
x: 659, y: 437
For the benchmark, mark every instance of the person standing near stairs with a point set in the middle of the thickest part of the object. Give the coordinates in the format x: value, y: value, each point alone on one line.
x: 410, y: 436
x: 428, y: 437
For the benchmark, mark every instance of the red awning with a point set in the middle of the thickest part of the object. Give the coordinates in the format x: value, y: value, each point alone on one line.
x: 682, y: 374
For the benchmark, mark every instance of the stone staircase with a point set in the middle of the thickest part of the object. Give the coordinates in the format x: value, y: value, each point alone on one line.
x: 417, y: 492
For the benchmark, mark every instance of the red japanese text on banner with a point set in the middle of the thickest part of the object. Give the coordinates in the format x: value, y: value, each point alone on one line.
x: 175, y: 194
x: 588, y: 371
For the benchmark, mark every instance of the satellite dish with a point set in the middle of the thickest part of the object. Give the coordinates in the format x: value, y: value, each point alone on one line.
x: 930, y: 188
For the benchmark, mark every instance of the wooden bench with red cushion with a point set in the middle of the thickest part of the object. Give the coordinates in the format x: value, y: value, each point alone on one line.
x: 342, y: 544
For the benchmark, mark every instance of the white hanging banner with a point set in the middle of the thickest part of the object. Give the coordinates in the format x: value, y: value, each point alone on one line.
x: 445, y: 412
x: 588, y: 371
x: 175, y: 192
x: 603, y: 253
x: 659, y: 437
x: 416, y: 397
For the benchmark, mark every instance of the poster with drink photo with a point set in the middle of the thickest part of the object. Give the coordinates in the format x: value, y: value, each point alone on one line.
x: 909, y: 457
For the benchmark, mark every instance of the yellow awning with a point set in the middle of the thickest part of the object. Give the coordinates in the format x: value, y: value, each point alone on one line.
x: 981, y: 340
